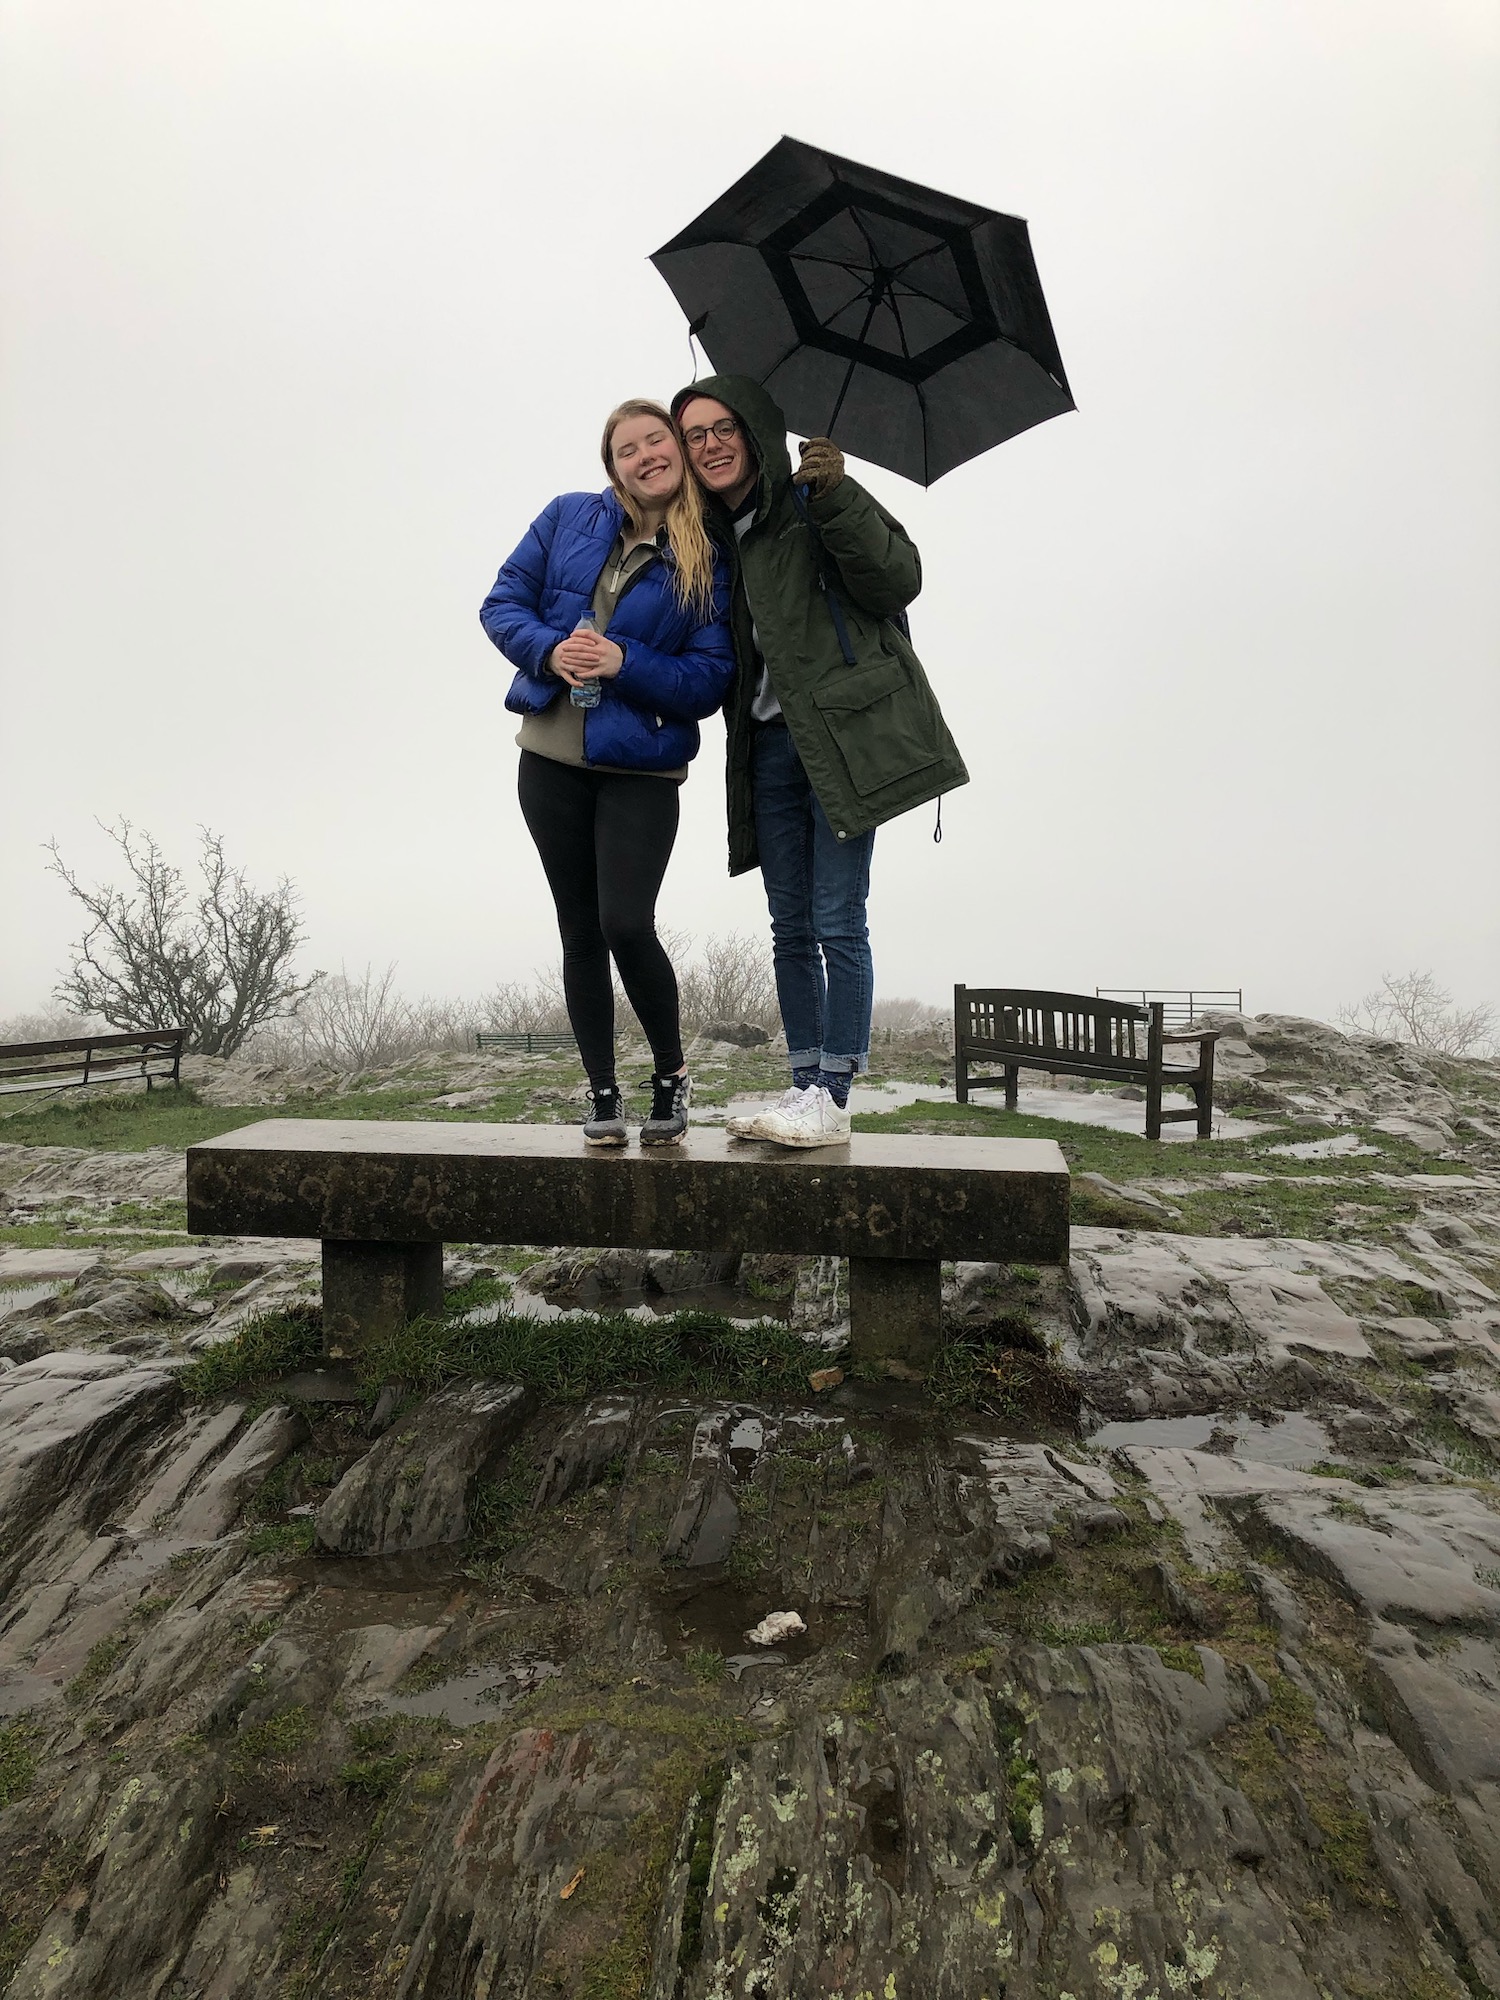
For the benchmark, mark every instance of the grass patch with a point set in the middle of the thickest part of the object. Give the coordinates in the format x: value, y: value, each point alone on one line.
x: 1302, y: 1197
x: 275, y: 1741
x: 268, y: 1345
x: 103, y: 1656
x: 567, y: 1360
x: 377, y: 1766
x: 499, y: 1513
x: 179, y: 1118
x: 975, y: 1370
x: 17, y: 1761
x: 285, y: 1539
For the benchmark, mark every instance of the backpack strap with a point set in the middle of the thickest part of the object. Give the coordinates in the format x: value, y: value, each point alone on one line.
x: 820, y: 560
x: 830, y: 596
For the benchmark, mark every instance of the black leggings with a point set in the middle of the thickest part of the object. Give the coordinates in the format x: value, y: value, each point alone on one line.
x: 605, y: 839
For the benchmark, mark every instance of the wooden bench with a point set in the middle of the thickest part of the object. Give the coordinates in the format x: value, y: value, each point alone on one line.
x: 1075, y: 1034
x: 155, y: 1054
x: 385, y: 1197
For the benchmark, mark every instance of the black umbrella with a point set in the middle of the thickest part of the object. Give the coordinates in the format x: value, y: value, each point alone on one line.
x: 907, y: 325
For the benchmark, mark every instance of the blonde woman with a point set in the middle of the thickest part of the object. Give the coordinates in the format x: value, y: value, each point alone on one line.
x: 613, y: 611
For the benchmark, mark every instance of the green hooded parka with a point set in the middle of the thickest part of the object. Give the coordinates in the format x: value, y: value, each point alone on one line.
x: 871, y: 736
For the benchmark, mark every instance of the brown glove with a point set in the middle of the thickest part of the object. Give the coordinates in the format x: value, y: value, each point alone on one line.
x: 822, y: 466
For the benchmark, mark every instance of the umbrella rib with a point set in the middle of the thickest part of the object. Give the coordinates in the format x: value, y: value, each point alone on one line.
x: 815, y: 257
x: 900, y: 326
x: 916, y: 257
x: 931, y: 298
x: 859, y: 224
x: 849, y: 371
x: 781, y: 360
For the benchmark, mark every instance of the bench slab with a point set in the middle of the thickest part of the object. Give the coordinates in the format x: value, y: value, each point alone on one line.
x: 894, y: 1200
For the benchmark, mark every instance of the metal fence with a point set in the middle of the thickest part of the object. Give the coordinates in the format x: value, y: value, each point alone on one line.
x: 529, y: 1043
x: 1180, y: 1004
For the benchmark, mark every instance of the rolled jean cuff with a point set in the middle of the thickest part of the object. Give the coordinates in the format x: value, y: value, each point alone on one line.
x: 844, y: 1065
x: 804, y: 1058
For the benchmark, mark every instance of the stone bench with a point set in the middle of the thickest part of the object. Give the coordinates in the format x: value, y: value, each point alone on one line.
x: 385, y: 1196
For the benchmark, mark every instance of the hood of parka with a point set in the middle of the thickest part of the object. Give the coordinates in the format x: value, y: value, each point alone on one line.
x: 764, y: 421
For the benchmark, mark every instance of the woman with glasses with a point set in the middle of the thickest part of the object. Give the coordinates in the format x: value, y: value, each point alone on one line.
x: 613, y: 611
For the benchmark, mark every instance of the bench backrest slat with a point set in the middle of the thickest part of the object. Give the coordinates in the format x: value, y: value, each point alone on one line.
x: 153, y: 1038
x: 994, y: 1018
x: 154, y: 1054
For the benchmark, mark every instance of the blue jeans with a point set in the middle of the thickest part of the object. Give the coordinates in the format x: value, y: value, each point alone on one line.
x: 816, y: 886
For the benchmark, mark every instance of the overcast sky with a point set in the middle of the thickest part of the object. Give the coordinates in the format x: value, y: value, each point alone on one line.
x: 308, y: 306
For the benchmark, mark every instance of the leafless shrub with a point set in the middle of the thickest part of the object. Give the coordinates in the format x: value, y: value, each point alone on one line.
x: 361, y: 1022
x: 1413, y: 1007
x: 731, y: 979
x: 49, y: 1023
x: 155, y: 955
x: 898, y: 1019
x: 358, y: 1023
x: 519, y: 1007
x: 444, y: 1024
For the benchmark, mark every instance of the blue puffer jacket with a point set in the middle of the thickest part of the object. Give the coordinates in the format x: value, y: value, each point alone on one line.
x: 676, y: 669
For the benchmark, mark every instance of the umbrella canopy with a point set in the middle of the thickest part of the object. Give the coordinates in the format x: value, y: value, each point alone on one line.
x: 905, y: 324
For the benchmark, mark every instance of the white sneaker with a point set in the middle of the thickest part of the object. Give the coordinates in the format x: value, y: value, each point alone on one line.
x: 744, y: 1126
x: 811, y: 1119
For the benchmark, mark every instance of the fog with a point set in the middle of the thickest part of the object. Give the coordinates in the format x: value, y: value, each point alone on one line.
x: 309, y: 308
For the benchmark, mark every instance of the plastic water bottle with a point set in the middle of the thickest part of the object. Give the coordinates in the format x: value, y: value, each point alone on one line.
x: 586, y: 696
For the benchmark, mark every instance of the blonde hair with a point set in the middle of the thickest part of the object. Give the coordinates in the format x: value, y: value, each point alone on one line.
x: 687, y: 530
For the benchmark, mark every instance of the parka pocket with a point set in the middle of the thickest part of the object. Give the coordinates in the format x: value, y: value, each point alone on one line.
x: 882, y: 721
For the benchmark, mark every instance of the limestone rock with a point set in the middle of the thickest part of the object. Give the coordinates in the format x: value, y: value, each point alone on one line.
x: 72, y: 1427
x: 738, y: 1034
x: 413, y: 1488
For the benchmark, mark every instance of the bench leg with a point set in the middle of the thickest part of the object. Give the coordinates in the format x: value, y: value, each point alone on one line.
x: 1205, y: 1092
x: 895, y: 1310
x: 1012, y: 1085
x: 371, y: 1289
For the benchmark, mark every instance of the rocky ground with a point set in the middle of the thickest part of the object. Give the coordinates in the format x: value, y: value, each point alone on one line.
x: 1152, y: 1650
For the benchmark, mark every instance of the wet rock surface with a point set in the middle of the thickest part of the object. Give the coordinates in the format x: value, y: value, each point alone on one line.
x: 1154, y: 1719
x: 1183, y: 1682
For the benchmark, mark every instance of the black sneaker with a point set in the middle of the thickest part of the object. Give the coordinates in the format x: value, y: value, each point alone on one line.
x: 605, y: 1125
x: 670, y: 1098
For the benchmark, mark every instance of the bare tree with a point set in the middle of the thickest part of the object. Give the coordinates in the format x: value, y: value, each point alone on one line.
x: 1413, y: 1007
x: 157, y: 955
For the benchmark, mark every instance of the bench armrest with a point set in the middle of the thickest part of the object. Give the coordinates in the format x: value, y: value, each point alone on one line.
x: 1197, y: 1035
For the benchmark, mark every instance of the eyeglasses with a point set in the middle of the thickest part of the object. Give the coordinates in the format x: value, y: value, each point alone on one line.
x: 723, y: 430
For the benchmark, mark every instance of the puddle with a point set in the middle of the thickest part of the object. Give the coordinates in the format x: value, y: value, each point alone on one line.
x: 16, y: 1298
x: 1341, y: 1146
x: 716, y: 1616
x: 399, y: 1575
x: 746, y: 1442
x: 1187, y: 1433
x: 714, y: 1535
x: 476, y: 1694
x: 1291, y: 1440
x: 737, y: 1663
